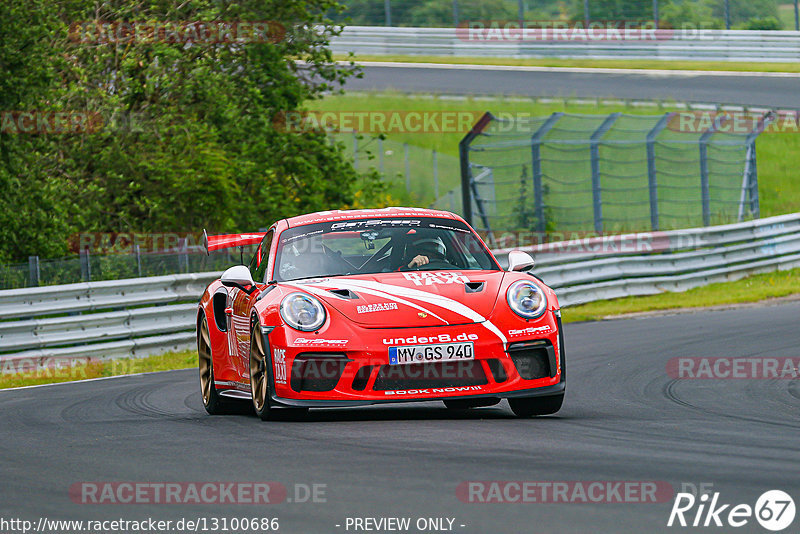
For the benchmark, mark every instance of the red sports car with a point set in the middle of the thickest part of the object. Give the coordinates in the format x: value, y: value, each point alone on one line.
x: 349, y: 308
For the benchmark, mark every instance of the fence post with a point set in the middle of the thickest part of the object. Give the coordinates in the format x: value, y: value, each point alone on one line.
x: 387, y: 9
x: 705, y: 197
x: 727, y: 15
x: 655, y: 13
x: 86, y: 266
x: 705, y: 194
x: 436, y: 175
x: 138, y: 253
x: 536, y: 171
x: 408, y: 173
x: 463, y: 157
x: 33, y: 271
x: 755, y: 209
x: 652, y: 178
x: 750, y: 180
x: 796, y: 17
x: 455, y: 13
x: 597, y: 199
x: 183, y: 256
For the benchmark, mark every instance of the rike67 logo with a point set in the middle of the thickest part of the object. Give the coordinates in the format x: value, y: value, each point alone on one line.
x: 774, y: 510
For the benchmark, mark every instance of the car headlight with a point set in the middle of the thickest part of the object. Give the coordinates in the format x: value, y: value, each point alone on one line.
x: 302, y: 312
x: 526, y: 299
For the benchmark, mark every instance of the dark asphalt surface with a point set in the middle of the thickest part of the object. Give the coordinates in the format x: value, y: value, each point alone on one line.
x: 623, y: 419
x: 742, y: 89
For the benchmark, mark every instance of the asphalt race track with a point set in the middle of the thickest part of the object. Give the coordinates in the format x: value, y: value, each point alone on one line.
x: 624, y: 419
x: 740, y: 89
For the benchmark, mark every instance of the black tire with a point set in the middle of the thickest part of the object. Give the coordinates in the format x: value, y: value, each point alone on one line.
x: 530, y: 406
x: 212, y: 401
x: 259, y: 382
x: 466, y: 404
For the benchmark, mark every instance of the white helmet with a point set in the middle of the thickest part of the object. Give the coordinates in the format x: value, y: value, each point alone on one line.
x: 430, y: 244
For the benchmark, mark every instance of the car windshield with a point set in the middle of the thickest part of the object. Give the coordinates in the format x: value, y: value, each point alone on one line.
x: 368, y: 246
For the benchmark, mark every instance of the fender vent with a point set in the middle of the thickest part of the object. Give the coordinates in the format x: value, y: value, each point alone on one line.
x: 474, y: 287
x: 344, y: 293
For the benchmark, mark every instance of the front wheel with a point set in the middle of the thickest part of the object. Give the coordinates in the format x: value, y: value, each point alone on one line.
x: 212, y: 401
x: 530, y: 406
x: 259, y: 381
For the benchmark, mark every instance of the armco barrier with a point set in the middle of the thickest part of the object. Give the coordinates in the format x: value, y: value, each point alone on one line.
x: 143, y: 316
x: 118, y: 318
x: 679, y: 44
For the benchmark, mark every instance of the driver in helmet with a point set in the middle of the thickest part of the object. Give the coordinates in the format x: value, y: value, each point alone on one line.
x: 427, y: 249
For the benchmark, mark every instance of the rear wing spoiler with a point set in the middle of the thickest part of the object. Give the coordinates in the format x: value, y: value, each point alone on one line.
x: 219, y: 242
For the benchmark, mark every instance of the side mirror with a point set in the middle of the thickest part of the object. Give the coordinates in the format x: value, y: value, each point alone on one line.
x: 519, y: 261
x: 238, y: 276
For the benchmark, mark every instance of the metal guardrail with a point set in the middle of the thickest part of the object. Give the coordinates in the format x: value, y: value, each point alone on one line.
x: 143, y: 316
x: 600, y: 268
x: 93, y: 320
x: 679, y: 44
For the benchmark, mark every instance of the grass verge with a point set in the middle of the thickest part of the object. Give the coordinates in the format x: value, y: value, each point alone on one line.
x: 752, y: 289
x: 639, y: 64
x: 100, y: 369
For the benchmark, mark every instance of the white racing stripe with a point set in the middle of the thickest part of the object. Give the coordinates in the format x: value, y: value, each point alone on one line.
x: 429, y: 298
x: 394, y: 298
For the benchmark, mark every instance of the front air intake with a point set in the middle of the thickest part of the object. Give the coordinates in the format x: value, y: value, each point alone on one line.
x: 533, y: 359
x: 317, y: 371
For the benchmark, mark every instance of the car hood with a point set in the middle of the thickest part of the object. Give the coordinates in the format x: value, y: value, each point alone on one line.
x: 409, y: 299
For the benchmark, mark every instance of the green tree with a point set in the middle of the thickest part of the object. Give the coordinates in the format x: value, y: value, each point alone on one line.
x: 190, y: 138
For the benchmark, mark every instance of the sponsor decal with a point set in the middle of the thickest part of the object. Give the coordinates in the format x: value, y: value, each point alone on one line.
x: 359, y: 225
x: 774, y: 510
x: 439, y: 277
x: 430, y: 391
x: 279, y: 362
x: 379, y: 306
x: 316, y: 342
x: 436, y: 338
x: 530, y: 331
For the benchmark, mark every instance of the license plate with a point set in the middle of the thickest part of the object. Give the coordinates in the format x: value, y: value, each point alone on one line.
x: 440, y: 352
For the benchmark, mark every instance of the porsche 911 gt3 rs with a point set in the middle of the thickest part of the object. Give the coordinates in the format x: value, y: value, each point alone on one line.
x: 349, y: 308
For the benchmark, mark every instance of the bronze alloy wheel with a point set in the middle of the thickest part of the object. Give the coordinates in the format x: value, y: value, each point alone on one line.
x: 212, y: 402
x: 258, y: 372
x: 204, y: 358
x: 259, y: 380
